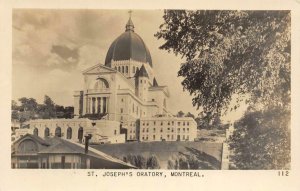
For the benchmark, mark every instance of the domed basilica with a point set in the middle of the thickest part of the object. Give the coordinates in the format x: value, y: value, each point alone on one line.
x: 125, y: 93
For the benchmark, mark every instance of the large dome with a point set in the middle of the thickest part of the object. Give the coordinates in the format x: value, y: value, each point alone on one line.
x: 128, y: 45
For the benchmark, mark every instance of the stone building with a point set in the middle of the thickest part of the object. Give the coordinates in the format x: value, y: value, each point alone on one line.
x: 126, y: 94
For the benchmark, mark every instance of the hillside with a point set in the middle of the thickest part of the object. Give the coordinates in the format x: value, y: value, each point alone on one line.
x: 209, y: 153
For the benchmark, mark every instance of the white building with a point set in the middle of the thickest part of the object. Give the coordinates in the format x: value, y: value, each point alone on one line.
x: 126, y: 92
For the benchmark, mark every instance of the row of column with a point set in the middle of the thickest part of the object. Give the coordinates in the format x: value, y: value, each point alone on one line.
x: 97, y: 105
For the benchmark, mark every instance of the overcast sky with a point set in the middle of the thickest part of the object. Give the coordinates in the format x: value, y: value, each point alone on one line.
x: 52, y: 47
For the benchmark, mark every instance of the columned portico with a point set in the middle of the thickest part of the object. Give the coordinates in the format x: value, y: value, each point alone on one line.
x: 97, y: 105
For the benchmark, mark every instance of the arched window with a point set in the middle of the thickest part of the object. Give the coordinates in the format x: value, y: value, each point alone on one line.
x: 69, y: 133
x: 119, y: 69
x: 115, y: 67
x: 126, y: 69
x: 36, y: 132
x: 47, y: 132
x: 122, y: 69
x: 58, y: 132
x: 101, y: 83
x: 80, y: 134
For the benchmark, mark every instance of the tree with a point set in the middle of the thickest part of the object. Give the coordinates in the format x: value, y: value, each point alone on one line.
x: 28, y: 104
x: 262, y: 140
x: 152, y: 163
x: 231, y: 53
x: 47, y: 110
x: 204, y: 120
x: 14, y: 105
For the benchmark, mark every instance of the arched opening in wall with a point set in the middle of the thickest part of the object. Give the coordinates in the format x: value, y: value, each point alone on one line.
x: 116, y: 68
x: 47, y: 132
x: 119, y: 69
x: 69, y: 133
x: 126, y: 69
x: 122, y: 69
x: 58, y: 132
x: 80, y: 134
x: 101, y: 83
x: 36, y: 132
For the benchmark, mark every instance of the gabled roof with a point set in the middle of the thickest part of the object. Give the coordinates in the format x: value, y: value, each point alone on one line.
x: 98, y: 68
x: 60, y: 146
x: 33, y: 137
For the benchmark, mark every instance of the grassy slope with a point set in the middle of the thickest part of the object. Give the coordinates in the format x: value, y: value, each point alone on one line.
x: 163, y: 150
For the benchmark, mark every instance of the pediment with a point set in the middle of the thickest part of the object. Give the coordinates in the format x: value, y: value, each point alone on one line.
x: 99, y: 69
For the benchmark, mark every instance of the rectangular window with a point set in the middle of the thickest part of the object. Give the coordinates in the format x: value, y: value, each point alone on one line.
x: 183, y: 123
x: 178, y: 123
x: 153, y: 137
x: 154, y: 130
x: 187, y: 123
x: 121, y: 110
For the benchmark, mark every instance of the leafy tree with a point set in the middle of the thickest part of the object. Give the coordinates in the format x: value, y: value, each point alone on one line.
x: 231, y: 53
x: 204, y: 120
x: 48, y: 108
x: 14, y: 105
x: 242, y: 54
x: 152, y: 163
x: 262, y: 140
x: 141, y: 162
x: 28, y: 104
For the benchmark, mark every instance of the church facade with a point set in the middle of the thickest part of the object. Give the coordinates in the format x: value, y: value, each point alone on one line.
x: 126, y: 94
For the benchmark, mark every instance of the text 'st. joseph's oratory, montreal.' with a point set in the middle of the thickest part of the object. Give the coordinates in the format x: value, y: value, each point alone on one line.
x: 126, y: 93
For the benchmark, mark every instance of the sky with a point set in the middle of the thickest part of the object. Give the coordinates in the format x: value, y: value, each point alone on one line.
x: 52, y: 47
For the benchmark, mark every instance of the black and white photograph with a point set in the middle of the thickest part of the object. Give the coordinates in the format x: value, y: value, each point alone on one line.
x: 151, y: 89
x: 138, y: 95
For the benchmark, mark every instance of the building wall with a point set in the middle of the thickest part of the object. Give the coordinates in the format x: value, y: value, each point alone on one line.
x: 95, y: 127
x: 168, y: 129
